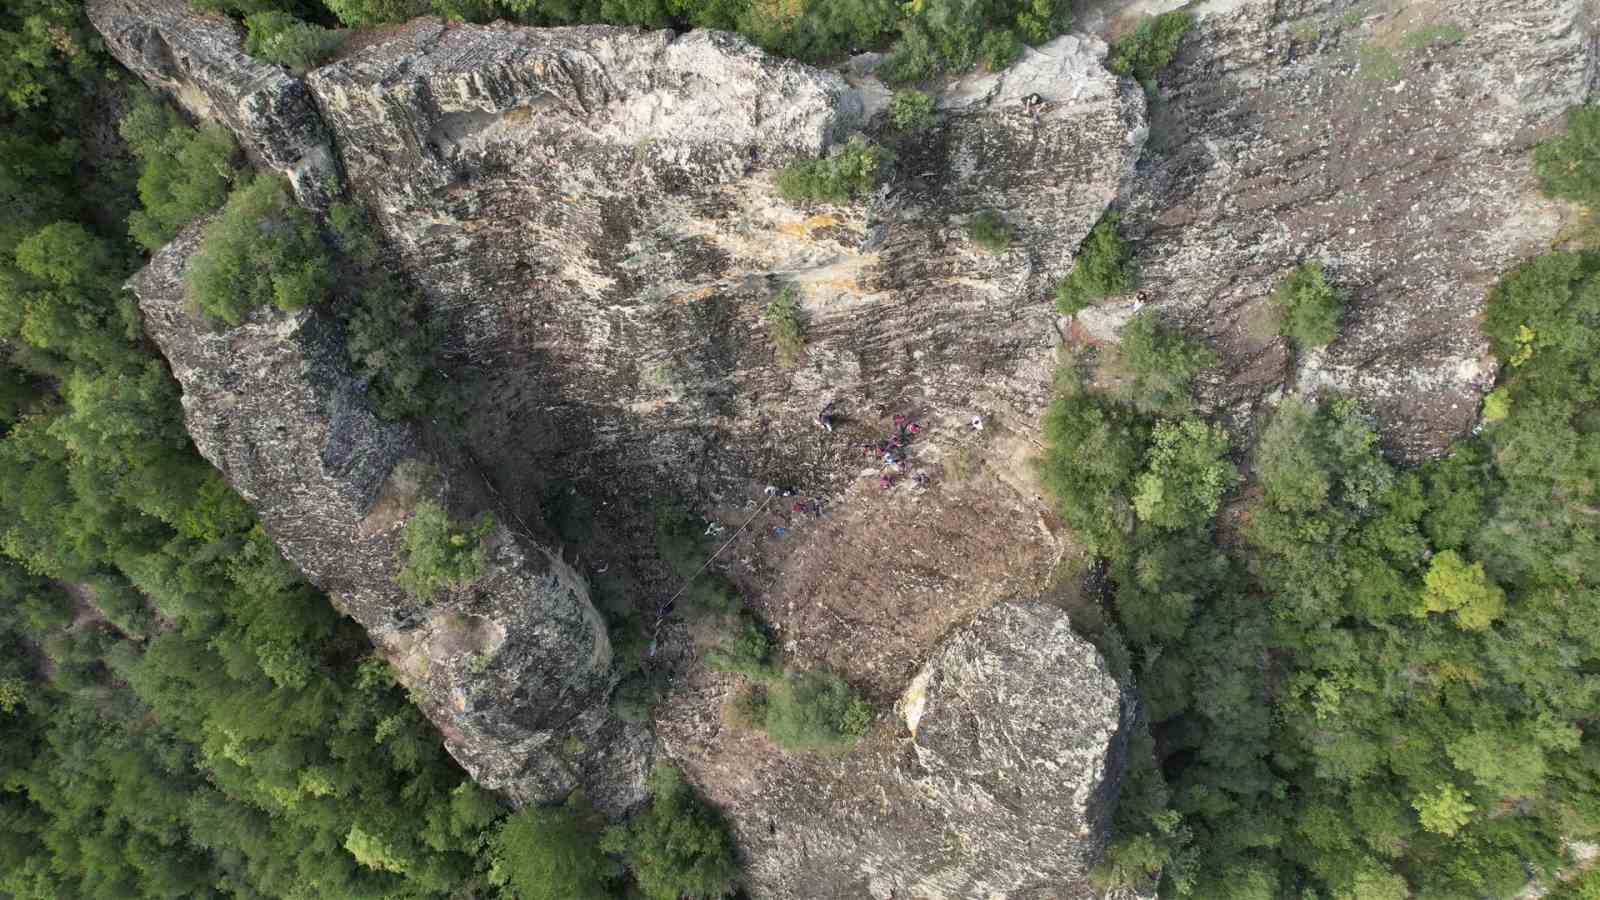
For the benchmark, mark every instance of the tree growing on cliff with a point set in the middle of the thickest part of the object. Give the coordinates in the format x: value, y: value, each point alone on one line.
x: 677, y: 847
x: 279, y: 38
x: 262, y: 250
x: 1309, y: 307
x: 815, y: 710
x: 553, y: 853
x: 1568, y: 164
x: 1150, y: 47
x: 184, y: 171
x: 438, y: 552
x: 1102, y: 267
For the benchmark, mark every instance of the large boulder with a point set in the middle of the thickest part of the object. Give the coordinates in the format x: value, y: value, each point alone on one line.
x: 998, y: 779
x: 514, y: 670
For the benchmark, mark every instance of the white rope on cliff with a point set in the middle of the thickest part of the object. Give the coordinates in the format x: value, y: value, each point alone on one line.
x: 666, y: 608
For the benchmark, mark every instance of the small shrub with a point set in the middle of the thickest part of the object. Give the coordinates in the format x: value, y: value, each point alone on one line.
x: 391, y: 340
x: 998, y: 49
x: 1568, y: 165
x: 184, y: 172
x: 681, y: 544
x: 1309, y: 307
x: 353, y: 234
x: 1102, y: 268
x: 911, y: 110
x: 262, y: 249
x: 677, y: 847
x: 438, y: 553
x: 636, y: 697
x: 989, y: 231
x: 1092, y: 451
x: 783, y: 327
x: 815, y: 710
x: 1150, y: 47
x: 552, y: 853
x: 748, y: 707
x: 749, y: 653
x: 281, y: 39
x: 850, y: 173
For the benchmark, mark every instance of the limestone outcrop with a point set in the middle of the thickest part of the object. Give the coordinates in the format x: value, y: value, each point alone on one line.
x: 514, y: 670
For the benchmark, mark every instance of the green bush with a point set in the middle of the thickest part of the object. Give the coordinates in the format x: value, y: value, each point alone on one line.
x: 749, y: 653
x: 989, y: 231
x: 1102, y: 267
x: 281, y: 39
x: 391, y: 341
x: 1568, y: 165
x: 1185, y: 476
x: 1157, y: 364
x: 844, y: 176
x: 1309, y: 307
x: 1093, y: 448
x: 783, y: 327
x: 815, y: 710
x: 184, y: 172
x: 953, y: 35
x: 677, y: 847
x: 262, y: 249
x: 911, y: 110
x: 553, y: 853
x: 1150, y: 47
x: 438, y: 553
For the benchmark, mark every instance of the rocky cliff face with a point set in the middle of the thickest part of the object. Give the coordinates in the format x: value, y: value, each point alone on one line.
x: 1390, y: 142
x: 514, y: 670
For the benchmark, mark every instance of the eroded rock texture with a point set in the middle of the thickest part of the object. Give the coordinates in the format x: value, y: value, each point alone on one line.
x: 1364, y: 136
x: 198, y: 60
x: 597, y: 209
x: 1000, y: 782
x: 514, y: 670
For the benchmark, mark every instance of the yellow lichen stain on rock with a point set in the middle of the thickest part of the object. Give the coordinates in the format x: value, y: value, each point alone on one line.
x: 803, y: 229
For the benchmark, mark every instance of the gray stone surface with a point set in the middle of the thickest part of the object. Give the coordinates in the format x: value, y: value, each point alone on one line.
x: 198, y: 60
x: 514, y: 670
x: 1286, y: 136
x: 996, y: 779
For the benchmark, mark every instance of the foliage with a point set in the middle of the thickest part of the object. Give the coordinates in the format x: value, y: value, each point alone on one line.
x: 989, y: 231
x: 677, y: 847
x: 840, y: 178
x: 1378, y: 63
x: 553, y: 853
x: 749, y: 653
x: 438, y: 552
x: 911, y: 110
x: 281, y: 39
x: 1150, y: 47
x: 1093, y: 448
x: 1568, y: 165
x: 815, y: 710
x: 391, y: 341
x: 1156, y: 365
x: 262, y: 249
x: 1309, y: 307
x: 184, y: 172
x: 1185, y: 475
x: 1101, y: 268
x: 1442, y: 34
x: 783, y: 327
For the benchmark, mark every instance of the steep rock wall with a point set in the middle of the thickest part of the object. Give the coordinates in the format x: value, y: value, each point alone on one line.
x: 1356, y: 135
x: 514, y: 670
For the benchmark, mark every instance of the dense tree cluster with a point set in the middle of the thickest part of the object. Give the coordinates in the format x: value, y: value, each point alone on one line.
x: 1380, y: 685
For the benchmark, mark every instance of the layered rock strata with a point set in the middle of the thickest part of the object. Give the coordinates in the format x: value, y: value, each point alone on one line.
x: 515, y: 669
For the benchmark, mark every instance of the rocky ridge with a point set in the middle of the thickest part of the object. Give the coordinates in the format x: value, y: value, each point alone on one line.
x: 515, y: 670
